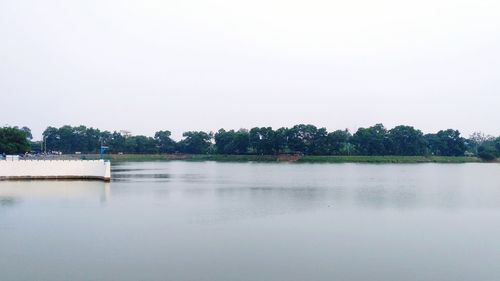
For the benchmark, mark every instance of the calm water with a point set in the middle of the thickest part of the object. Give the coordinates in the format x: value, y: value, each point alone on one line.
x: 230, y: 221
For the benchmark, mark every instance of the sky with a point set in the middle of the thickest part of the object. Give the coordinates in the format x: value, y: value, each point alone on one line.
x: 184, y: 65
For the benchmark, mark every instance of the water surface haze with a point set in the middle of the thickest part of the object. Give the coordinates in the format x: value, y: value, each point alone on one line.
x: 256, y: 221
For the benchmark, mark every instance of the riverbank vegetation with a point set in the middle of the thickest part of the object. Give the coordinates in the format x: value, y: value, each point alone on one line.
x: 306, y: 142
x: 271, y: 158
x: 278, y: 158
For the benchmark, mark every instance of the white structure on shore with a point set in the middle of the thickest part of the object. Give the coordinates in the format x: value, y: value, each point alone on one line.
x: 14, y: 169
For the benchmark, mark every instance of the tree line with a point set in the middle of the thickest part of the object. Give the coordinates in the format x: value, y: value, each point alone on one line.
x: 299, y: 139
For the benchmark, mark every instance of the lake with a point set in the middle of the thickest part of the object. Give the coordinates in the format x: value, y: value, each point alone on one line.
x: 256, y: 222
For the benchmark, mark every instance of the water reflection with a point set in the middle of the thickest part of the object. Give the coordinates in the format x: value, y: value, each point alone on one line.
x: 312, y: 186
x: 140, y: 176
x: 120, y: 169
x: 372, y: 196
x: 12, y: 192
x: 255, y: 221
x: 280, y: 188
x: 7, y: 201
x: 105, y: 192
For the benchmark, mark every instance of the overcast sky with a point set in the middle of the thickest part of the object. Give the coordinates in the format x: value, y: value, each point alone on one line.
x: 186, y: 65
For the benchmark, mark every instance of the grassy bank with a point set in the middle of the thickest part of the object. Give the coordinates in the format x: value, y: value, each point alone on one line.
x: 191, y: 157
x: 388, y: 159
x: 302, y: 159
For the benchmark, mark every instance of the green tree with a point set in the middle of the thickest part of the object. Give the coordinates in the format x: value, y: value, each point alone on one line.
x: 487, y: 152
x: 262, y: 140
x: 305, y: 138
x: 241, y: 141
x: 195, y: 142
x: 231, y: 142
x: 68, y: 139
x: 475, y: 140
x: 13, y: 141
x: 223, y: 141
x: 406, y: 140
x: 51, y: 138
x: 371, y: 141
x: 339, y: 142
x: 27, y: 130
x: 446, y: 143
x: 280, y: 140
x: 116, y: 142
x: 320, y: 143
x: 145, y: 145
x: 164, y: 142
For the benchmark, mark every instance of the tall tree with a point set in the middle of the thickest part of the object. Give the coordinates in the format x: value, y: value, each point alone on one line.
x: 231, y: 142
x: 13, y: 141
x: 280, y: 140
x: 164, y: 142
x: 476, y: 140
x: 195, y: 142
x: 339, y: 142
x: 116, y: 142
x: 262, y: 140
x: 406, y: 140
x: 303, y: 138
x: 27, y: 130
x: 145, y: 145
x: 371, y: 141
x: 446, y: 143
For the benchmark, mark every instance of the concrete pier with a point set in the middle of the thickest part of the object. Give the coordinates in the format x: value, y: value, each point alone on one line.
x: 55, y: 169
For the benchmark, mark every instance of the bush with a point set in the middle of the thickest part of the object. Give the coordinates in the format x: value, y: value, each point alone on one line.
x: 487, y: 153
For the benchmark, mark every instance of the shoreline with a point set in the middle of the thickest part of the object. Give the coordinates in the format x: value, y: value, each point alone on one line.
x: 296, y: 159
